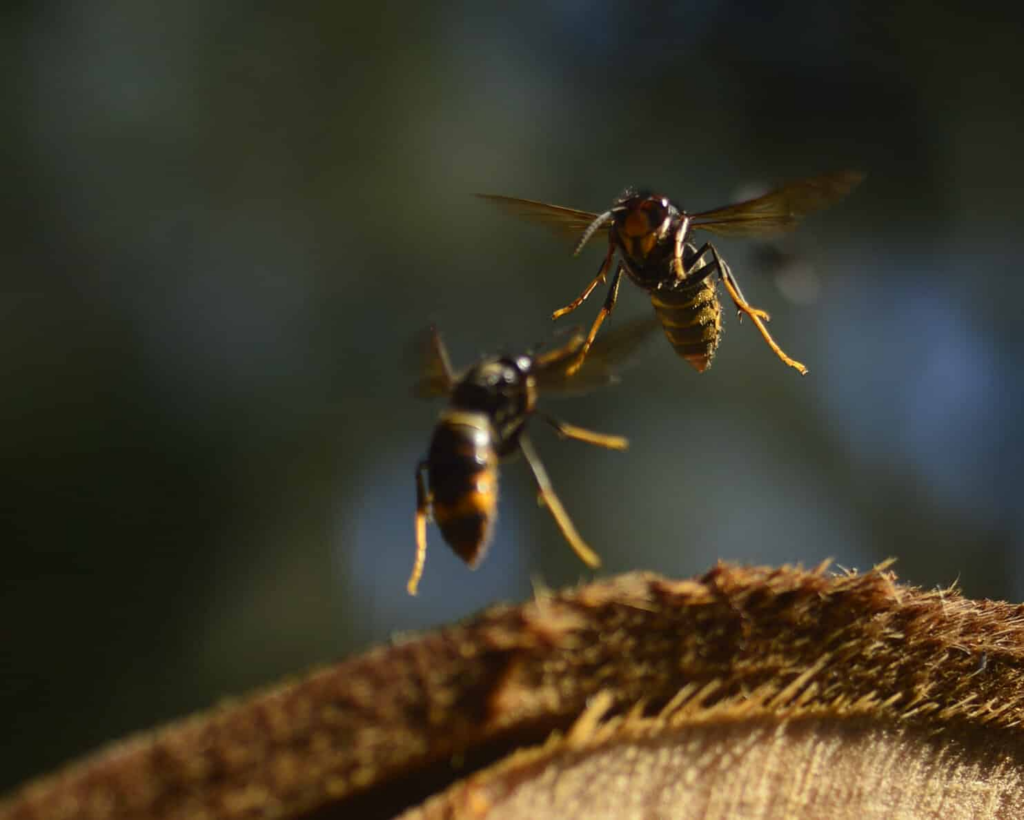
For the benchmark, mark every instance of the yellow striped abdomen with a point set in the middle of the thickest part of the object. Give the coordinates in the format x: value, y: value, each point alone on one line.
x: 462, y: 468
x: 691, y: 317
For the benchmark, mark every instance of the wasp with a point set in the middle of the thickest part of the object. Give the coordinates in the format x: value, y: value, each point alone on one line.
x: 650, y: 234
x: 489, y: 406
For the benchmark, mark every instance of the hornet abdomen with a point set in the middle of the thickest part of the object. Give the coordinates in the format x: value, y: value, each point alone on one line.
x: 691, y: 316
x: 462, y: 470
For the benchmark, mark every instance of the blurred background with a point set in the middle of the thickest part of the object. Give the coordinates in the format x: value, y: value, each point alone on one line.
x: 227, y: 222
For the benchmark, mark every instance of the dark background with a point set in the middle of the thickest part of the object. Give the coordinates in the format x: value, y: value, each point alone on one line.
x: 228, y: 220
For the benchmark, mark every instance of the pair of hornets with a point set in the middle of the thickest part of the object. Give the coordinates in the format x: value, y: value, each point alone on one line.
x: 490, y: 404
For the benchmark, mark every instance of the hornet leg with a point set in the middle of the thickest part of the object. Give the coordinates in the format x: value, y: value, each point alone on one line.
x: 548, y: 497
x: 554, y: 358
x: 756, y: 315
x: 422, y: 504
x: 684, y: 226
x: 606, y: 309
x: 586, y: 436
x: 699, y: 273
x: 597, y: 280
x: 742, y: 305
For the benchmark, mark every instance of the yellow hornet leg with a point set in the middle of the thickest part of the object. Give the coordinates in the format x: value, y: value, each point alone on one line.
x: 554, y: 358
x: 586, y: 436
x: 598, y: 280
x: 742, y: 305
x: 756, y: 315
x: 606, y: 309
x: 550, y: 500
x: 421, y: 531
x: 677, y: 257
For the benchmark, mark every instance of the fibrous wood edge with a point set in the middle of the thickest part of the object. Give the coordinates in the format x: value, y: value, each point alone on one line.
x: 510, y: 675
x: 763, y: 755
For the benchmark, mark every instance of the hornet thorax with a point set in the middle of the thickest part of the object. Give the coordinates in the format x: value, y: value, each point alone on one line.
x: 504, y: 390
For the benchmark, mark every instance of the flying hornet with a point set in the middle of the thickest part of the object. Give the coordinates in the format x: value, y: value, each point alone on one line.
x: 485, y: 421
x: 650, y: 234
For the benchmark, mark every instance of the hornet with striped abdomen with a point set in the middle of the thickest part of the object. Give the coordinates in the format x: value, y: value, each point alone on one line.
x: 489, y: 406
x: 650, y: 234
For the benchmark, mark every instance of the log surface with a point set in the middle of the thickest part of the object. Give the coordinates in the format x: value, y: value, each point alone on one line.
x: 381, y: 732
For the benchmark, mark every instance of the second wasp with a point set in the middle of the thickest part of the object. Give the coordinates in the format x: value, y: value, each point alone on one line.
x: 650, y: 235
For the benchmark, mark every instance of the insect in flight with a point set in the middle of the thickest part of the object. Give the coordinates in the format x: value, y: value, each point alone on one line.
x: 650, y: 234
x: 485, y: 421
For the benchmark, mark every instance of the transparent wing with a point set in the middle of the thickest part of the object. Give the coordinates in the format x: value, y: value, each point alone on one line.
x: 436, y: 374
x: 607, y: 358
x: 781, y: 209
x: 565, y: 221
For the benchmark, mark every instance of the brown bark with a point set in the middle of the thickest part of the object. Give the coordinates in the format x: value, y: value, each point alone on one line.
x: 750, y: 691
